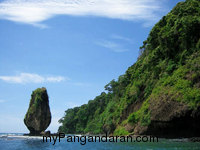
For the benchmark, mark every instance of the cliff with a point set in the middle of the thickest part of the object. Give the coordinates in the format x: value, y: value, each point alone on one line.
x: 159, y: 94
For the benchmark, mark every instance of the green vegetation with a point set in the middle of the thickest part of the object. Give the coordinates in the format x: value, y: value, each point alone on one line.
x: 142, y: 115
x: 38, y: 93
x: 120, y: 131
x: 169, y: 64
x: 36, y: 99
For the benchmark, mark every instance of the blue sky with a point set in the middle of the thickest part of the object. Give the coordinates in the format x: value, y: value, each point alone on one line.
x: 71, y: 47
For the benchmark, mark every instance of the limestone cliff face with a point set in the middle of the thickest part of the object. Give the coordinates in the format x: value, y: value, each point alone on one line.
x: 38, y: 116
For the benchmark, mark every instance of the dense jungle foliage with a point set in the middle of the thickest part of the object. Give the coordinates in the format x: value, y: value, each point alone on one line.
x: 169, y: 63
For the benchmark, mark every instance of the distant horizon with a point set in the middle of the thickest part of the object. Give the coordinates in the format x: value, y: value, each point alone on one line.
x: 72, y: 51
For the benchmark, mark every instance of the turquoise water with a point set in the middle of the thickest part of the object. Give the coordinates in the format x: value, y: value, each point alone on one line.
x: 19, y: 142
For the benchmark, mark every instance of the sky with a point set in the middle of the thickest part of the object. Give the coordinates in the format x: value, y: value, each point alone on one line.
x: 71, y: 47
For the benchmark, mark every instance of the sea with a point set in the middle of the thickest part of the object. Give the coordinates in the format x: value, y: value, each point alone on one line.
x: 16, y: 141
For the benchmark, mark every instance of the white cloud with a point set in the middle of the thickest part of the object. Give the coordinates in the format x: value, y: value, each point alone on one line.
x: 119, y: 37
x: 35, y: 11
x: 24, y: 78
x: 55, y: 79
x: 113, y: 46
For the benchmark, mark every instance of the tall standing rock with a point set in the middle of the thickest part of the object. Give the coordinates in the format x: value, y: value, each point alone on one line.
x: 38, y: 116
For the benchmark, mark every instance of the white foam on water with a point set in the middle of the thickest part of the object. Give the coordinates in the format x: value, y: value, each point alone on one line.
x: 26, y: 137
x: 20, y: 136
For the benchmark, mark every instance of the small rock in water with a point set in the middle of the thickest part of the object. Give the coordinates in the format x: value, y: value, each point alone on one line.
x: 38, y: 116
x: 46, y: 133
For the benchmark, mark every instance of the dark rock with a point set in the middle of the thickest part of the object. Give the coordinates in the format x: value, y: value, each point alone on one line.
x: 38, y: 116
x: 171, y: 119
x: 46, y: 133
x: 195, y: 139
x: 129, y: 127
x: 129, y: 109
x: 107, y: 129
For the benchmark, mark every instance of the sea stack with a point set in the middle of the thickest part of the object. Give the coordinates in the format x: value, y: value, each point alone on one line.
x: 38, y: 116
